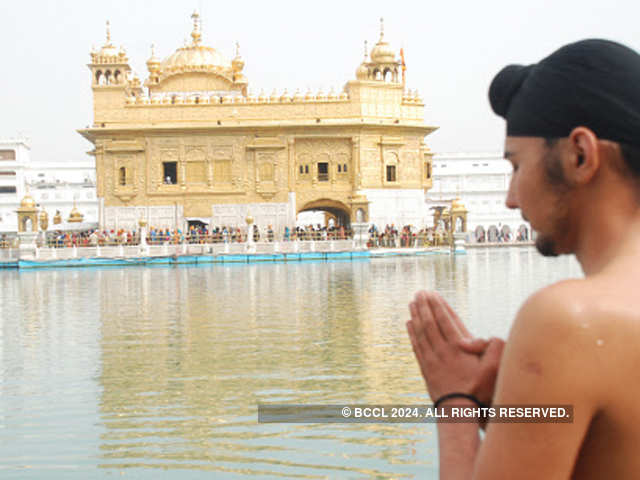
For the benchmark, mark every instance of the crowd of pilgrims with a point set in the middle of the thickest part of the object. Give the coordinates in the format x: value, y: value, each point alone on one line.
x: 194, y: 235
x: 389, y: 237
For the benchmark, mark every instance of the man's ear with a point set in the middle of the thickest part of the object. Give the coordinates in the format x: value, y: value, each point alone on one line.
x: 582, y: 159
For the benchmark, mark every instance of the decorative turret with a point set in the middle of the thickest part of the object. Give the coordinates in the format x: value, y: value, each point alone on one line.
x: 458, y: 216
x: 109, y: 66
x: 383, y: 65
x: 27, y: 215
x: 153, y: 64
x: 237, y: 64
x: 382, y: 51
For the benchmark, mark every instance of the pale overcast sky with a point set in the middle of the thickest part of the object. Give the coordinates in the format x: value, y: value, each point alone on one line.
x: 452, y: 51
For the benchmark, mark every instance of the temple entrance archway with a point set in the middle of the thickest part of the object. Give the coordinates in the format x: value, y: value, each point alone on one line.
x: 336, y: 211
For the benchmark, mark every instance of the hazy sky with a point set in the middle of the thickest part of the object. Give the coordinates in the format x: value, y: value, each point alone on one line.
x: 452, y: 51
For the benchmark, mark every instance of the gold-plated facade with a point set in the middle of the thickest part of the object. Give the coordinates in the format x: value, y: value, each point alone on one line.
x: 193, y: 140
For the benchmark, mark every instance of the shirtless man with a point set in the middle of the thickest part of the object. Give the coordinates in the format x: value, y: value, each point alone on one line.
x: 573, y: 138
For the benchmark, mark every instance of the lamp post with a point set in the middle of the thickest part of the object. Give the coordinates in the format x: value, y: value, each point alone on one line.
x: 250, y: 244
x: 143, y: 234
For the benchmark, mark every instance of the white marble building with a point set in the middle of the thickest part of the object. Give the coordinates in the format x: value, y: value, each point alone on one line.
x: 481, y: 180
x: 55, y: 186
x: 399, y: 207
x: 14, y: 160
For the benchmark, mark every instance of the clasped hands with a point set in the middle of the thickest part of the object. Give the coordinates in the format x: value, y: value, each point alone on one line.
x: 450, y: 359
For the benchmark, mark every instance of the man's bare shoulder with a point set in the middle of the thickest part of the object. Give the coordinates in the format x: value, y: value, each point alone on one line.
x: 581, y: 312
x: 559, y: 308
x: 554, y: 336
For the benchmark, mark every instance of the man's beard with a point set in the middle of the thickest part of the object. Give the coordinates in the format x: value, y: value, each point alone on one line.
x: 547, y: 243
x: 546, y: 246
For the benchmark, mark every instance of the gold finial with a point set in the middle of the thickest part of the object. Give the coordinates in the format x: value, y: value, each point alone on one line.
x: 366, y: 53
x: 196, y: 27
x: 108, y: 32
x: 237, y: 49
x: 153, y: 50
x: 381, y: 27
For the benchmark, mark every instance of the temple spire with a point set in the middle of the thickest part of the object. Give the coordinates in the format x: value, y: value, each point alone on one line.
x: 196, y: 35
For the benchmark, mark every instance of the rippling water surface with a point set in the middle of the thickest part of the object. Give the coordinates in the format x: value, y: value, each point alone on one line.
x: 157, y: 372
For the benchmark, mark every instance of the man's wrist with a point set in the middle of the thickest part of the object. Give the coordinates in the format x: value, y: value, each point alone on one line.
x: 458, y: 396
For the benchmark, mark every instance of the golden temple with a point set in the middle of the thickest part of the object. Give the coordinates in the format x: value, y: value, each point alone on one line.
x: 192, y: 143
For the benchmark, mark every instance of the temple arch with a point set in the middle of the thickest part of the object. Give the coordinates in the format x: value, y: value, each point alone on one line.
x: 336, y: 209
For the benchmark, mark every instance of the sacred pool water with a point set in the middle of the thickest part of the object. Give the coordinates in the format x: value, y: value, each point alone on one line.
x: 157, y: 372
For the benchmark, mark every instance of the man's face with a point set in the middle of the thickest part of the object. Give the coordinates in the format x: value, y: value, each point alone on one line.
x: 538, y: 189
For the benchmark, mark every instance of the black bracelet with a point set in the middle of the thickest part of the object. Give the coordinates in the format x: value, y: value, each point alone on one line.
x: 468, y: 396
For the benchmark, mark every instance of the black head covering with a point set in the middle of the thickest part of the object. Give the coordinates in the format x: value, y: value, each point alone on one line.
x: 592, y: 83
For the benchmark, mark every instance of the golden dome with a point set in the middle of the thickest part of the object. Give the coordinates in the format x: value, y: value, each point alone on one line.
x: 458, y: 206
x: 194, y: 57
x: 108, y: 49
x: 382, y: 52
x: 28, y: 202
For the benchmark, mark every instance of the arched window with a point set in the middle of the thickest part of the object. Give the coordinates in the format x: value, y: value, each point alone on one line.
x: 387, y: 75
x: 116, y: 77
x: 107, y: 77
x: 123, y: 176
x: 99, y: 78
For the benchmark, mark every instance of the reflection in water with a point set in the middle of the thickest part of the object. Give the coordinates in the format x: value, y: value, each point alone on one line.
x: 164, y: 367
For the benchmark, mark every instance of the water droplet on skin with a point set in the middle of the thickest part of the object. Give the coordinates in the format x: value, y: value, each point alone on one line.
x: 600, y: 342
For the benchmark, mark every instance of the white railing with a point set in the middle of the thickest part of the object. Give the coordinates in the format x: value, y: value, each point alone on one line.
x: 126, y: 251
